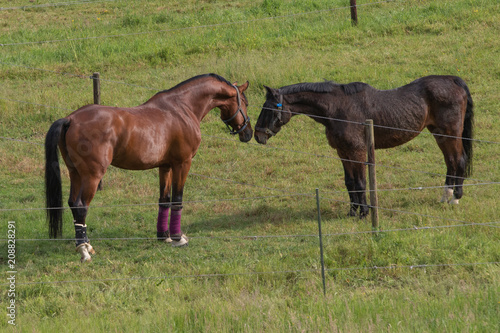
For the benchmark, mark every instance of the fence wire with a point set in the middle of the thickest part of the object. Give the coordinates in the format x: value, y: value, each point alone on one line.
x: 257, y: 237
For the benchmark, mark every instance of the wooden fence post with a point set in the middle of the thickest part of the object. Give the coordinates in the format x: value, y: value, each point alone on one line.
x: 370, y: 146
x: 354, y: 13
x: 96, y: 82
x: 97, y: 88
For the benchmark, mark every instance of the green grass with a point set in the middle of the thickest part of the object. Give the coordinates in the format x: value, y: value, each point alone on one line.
x: 253, y: 261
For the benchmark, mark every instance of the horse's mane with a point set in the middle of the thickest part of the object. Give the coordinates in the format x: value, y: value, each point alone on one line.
x: 324, y: 87
x: 216, y: 76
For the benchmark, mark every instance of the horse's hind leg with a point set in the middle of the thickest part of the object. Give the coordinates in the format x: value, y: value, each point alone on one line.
x: 81, y: 194
x: 455, y: 163
x: 458, y: 178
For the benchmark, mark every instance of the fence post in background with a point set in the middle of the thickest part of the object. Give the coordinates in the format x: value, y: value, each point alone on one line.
x: 97, y: 100
x: 354, y: 13
x: 97, y: 88
x: 321, y: 243
x: 370, y: 146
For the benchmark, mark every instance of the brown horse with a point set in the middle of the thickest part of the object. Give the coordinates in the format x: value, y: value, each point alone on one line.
x: 443, y: 104
x: 162, y: 133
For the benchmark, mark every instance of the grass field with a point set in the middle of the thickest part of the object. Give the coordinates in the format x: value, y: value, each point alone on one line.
x: 253, y: 263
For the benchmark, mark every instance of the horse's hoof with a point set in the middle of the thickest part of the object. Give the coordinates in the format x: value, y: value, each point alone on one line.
x: 453, y: 201
x: 179, y: 241
x: 447, y: 195
x: 163, y: 237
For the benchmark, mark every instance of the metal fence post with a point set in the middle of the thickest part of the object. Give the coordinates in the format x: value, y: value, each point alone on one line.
x: 321, y: 244
x: 370, y: 147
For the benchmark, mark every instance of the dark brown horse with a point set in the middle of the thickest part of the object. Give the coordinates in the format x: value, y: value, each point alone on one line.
x: 443, y: 104
x: 162, y: 133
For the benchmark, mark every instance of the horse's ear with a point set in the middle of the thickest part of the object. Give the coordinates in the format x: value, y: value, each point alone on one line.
x: 270, y: 91
x: 244, y: 86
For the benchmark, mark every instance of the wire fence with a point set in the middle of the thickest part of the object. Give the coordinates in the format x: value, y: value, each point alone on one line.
x: 256, y: 237
x: 286, y: 192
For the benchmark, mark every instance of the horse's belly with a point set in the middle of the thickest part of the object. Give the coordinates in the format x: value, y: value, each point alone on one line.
x: 138, y: 158
x: 385, y: 138
x: 130, y: 164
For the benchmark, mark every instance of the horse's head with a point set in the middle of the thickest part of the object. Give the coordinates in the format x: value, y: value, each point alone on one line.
x: 272, y: 116
x: 234, y: 114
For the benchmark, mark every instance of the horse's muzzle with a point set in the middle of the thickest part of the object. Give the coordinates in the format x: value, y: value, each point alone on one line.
x: 246, y: 135
x: 261, y: 137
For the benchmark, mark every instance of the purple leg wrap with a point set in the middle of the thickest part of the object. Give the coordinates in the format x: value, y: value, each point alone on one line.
x: 175, y: 222
x: 162, y: 224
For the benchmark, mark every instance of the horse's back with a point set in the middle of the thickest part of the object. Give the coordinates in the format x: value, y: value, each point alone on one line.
x: 405, y: 111
x: 135, y: 138
x: 441, y: 89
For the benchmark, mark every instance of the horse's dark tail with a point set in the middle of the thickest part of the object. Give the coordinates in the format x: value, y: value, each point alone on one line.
x: 53, y: 186
x: 467, y: 133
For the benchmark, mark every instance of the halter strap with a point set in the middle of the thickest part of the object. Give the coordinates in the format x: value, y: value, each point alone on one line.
x: 280, y: 107
x: 278, y: 116
x: 239, y: 110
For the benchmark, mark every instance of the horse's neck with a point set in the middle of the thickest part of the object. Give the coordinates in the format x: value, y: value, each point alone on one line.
x: 196, y: 99
x: 309, y: 104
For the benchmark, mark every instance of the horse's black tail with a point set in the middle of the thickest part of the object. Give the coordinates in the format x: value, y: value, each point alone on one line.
x: 467, y: 133
x: 53, y: 186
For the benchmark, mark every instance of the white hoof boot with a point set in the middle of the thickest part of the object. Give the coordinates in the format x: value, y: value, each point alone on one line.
x: 90, y: 248
x: 453, y: 201
x: 176, y: 242
x: 84, y: 250
x: 447, y: 195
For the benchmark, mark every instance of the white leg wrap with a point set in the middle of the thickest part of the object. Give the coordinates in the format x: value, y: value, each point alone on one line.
x: 447, y: 195
x: 84, y: 250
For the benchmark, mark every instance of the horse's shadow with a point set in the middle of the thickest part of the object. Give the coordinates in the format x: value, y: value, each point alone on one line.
x: 252, y: 218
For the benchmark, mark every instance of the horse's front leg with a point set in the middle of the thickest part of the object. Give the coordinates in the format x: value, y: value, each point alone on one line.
x: 179, y: 176
x: 349, y: 184
x: 355, y: 181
